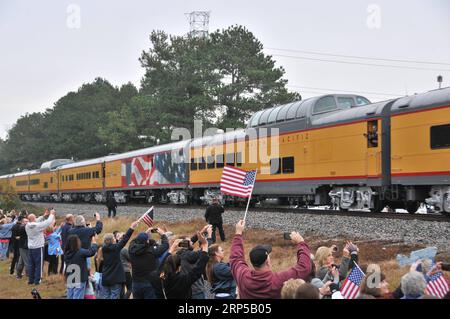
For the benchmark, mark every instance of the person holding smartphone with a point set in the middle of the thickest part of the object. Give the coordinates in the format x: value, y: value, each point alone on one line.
x: 143, y: 255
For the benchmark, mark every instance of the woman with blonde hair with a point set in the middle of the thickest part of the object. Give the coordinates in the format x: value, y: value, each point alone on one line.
x: 328, y: 270
x: 218, y: 273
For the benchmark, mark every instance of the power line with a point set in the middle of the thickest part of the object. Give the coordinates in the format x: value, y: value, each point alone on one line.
x: 361, y: 57
x: 334, y: 90
x: 361, y: 63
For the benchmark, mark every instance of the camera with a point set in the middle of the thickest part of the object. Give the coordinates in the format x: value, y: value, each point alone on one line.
x: 184, y: 243
x: 335, y: 266
x: 35, y: 294
x: 287, y: 236
x: 154, y: 230
x: 334, y: 248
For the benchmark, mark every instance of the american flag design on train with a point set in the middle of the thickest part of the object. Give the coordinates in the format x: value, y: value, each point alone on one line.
x: 149, y: 170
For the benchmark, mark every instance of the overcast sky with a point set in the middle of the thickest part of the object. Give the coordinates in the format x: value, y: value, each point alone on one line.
x: 47, y: 50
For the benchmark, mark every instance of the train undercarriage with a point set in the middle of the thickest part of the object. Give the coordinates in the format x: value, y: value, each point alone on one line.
x: 345, y: 197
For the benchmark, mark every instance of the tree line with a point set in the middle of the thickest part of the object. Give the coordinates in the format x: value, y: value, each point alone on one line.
x: 221, y: 79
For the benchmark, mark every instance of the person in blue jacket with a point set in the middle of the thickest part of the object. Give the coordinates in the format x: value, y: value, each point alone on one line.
x: 6, y: 226
x: 219, y: 274
x: 54, y: 250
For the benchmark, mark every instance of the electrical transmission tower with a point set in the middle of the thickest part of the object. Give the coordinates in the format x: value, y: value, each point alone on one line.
x: 199, y: 23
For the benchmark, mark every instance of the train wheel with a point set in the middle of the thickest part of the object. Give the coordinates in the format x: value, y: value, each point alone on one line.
x: 412, y: 207
x: 378, y: 205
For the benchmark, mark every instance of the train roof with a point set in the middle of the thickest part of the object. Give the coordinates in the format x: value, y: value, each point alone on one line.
x: 140, y: 152
x: 439, y: 97
x: 219, y: 138
x: 300, y: 109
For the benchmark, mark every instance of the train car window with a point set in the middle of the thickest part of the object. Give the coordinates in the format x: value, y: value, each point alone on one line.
x: 220, y: 162
x: 255, y: 119
x: 201, y: 163
x: 89, y: 175
x: 372, y: 134
x: 273, y: 115
x: 345, y: 102
x: 34, y: 182
x: 51, y: 180
x: 265, y: 116
x: 239, y: 160
x: 210, y: 162
x: 45, y: 184
x: 230, y: 159
x: 325, y: 104
x: 193, y: 164
x: 293, y: 110
x: 282, y: 113
x: 440, y: 136
x: 21, y: 183
x: 361, y: 100
x: 288, y: 165
x: 275, y: 166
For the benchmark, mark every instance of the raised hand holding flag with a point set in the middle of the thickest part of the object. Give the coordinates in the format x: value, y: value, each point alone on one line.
x: 147, y: 218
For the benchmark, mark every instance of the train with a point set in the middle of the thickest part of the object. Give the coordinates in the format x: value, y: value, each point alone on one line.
x: 339, y: 150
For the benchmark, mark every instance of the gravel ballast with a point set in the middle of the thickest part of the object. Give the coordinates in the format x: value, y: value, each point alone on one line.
x: 411, y: 231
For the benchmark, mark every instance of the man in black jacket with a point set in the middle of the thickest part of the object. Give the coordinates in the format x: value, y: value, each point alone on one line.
x: 86, y: 233
x: 64, y: 234
x: 144, y: 253
x: 213, y: 216
x: 15, y: 237
x: 23, y: 250
x: 113, y: 276
x: 111, y: 204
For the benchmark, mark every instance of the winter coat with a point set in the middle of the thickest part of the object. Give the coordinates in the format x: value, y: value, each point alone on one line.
x: 78, y: 258
x: 65, y: 234
x: 179, y: 285
x: 256, y: 284
x: 113, y: 272
x: 86, y: 233
x: 54, y: 243
x: 144, y: 258
x: 213, y: 214
x: 223, y: 280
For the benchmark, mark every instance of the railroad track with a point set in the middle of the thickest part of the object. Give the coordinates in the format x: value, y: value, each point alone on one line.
x: 282, y: 209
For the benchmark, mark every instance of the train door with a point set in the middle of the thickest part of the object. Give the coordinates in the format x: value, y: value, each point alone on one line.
x: 373, y: 136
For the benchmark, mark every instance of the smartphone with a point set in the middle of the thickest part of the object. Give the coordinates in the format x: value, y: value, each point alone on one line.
x: 287, y: 236
x: 154, y: 230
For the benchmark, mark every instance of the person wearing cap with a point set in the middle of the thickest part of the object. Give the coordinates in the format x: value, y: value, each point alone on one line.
x: 144, y: 253
x: 261, y: 282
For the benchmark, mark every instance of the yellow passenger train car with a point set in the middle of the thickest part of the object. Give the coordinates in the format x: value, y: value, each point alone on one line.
x: 339, y: 150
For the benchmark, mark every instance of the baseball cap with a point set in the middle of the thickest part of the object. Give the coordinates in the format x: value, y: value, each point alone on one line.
x: 258, y: 254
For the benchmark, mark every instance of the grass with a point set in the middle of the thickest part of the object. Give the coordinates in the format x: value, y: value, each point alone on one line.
x: 283, y: 255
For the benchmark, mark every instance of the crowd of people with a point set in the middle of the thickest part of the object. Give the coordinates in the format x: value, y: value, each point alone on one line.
x: 172, y: 266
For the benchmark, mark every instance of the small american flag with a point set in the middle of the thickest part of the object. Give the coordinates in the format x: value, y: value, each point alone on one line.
x: 237, y: 182
x: 350, y: 288
x: 147, y: 218
x: 438, y: 285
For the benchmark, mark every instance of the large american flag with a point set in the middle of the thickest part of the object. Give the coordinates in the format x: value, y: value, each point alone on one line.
x: 350, y: 288
x: 237, y: 182
x: 147, y: 218
x: 438, y: 285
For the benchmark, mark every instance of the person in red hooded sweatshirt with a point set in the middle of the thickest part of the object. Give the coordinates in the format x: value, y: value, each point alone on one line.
x: 261, y: 282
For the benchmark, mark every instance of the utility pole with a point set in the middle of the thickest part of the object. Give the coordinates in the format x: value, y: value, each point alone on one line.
x: 199, y: 23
